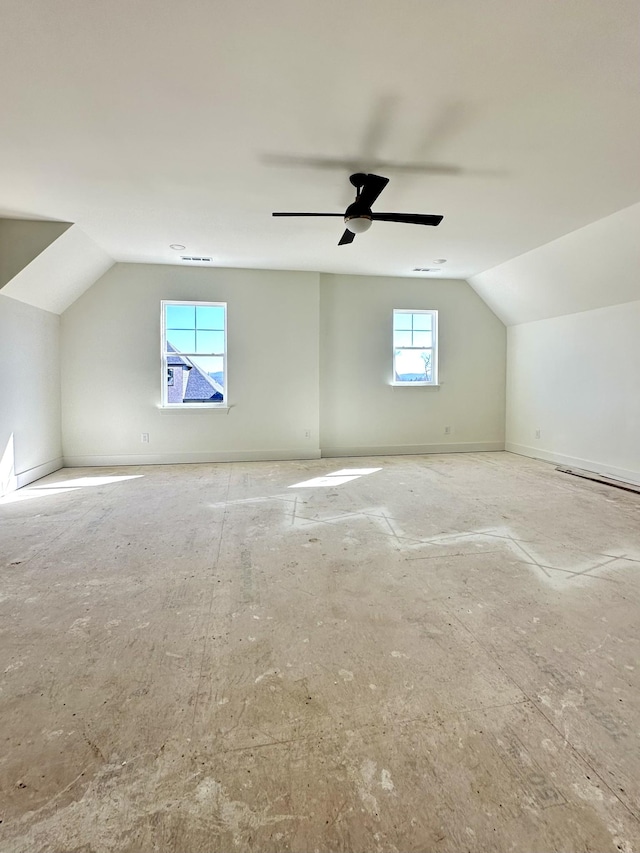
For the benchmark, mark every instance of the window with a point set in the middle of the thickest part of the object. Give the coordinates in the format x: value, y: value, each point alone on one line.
x: 415, y: 347
x: 194, y: 352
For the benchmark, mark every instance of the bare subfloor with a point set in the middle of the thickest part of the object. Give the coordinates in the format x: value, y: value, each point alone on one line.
x: 439, y: 655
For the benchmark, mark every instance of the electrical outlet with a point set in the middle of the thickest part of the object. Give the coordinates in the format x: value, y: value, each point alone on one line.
x: 307, y: 433
x: 447, y: 430
x: 144, y: 438
x: 537, y: 433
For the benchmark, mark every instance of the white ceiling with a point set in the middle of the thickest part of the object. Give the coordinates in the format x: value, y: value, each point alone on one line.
x: 152, y: 122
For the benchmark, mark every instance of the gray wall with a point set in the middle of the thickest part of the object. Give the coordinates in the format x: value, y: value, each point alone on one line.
x: 30, y: 437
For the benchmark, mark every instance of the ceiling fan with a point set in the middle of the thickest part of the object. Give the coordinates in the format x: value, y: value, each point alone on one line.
x: 359, y: 216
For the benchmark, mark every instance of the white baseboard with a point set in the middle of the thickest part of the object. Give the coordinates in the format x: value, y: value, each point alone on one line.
x: 24, y: 478
x: 188, y: 457
x: 574, y: 461
x: 412, y: 449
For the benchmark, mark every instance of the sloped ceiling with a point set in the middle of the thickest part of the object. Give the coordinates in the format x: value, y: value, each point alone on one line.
x: 22, y: 240
x: 188, y: 121
x: 593, y: 267
x: 56, y: 275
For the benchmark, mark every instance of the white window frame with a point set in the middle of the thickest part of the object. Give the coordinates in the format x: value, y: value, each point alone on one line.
x: 434, y: 349
x: 189, y: 407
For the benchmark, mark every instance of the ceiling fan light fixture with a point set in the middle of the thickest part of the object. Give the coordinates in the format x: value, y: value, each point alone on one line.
x: 358, y: 224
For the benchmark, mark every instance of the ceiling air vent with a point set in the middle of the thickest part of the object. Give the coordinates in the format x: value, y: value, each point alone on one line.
x: 200, y: 258
x: 426, y: 269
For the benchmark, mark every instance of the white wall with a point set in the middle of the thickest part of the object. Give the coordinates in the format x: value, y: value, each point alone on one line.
x: 362, y: 413
x: 292, y: 340
x: 30, y: 440
x: 576, y: 378
x: 113, y: 330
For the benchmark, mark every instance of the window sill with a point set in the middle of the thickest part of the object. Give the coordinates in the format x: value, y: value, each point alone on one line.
x: 195, y: 408
x: 415, y: 384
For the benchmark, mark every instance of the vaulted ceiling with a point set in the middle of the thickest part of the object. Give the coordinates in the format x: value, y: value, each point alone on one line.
x: 155, y: 122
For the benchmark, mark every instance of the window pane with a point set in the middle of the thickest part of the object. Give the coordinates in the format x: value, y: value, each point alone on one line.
x: 402, y: 339
x: 422, y: 321
x: 180, y: 316
x: 181, y: 341
x: 174, y: 380
x: 422, y: 339
x: 402, y: 320
x: 206, y: 381
x: 213, y: 366
x: 195, y: 380
x: 413, y: 365
x: 191, y: 375
x: 210, y: 316
x: 209, y: 341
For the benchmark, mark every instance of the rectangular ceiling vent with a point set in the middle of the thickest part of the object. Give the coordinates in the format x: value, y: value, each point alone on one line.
x: 200, y: 258
x: 426, y: 269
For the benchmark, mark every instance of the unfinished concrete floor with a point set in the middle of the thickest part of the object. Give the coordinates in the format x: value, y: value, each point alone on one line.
x: 439, y: 655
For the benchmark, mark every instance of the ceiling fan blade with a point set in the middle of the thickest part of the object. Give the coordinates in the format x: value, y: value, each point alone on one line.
x: 312, y: 162
x: 308, y: 214
x: 410, y: 218
x: 372, y: 189
x: 347, y: 237
x: 361, y: 165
